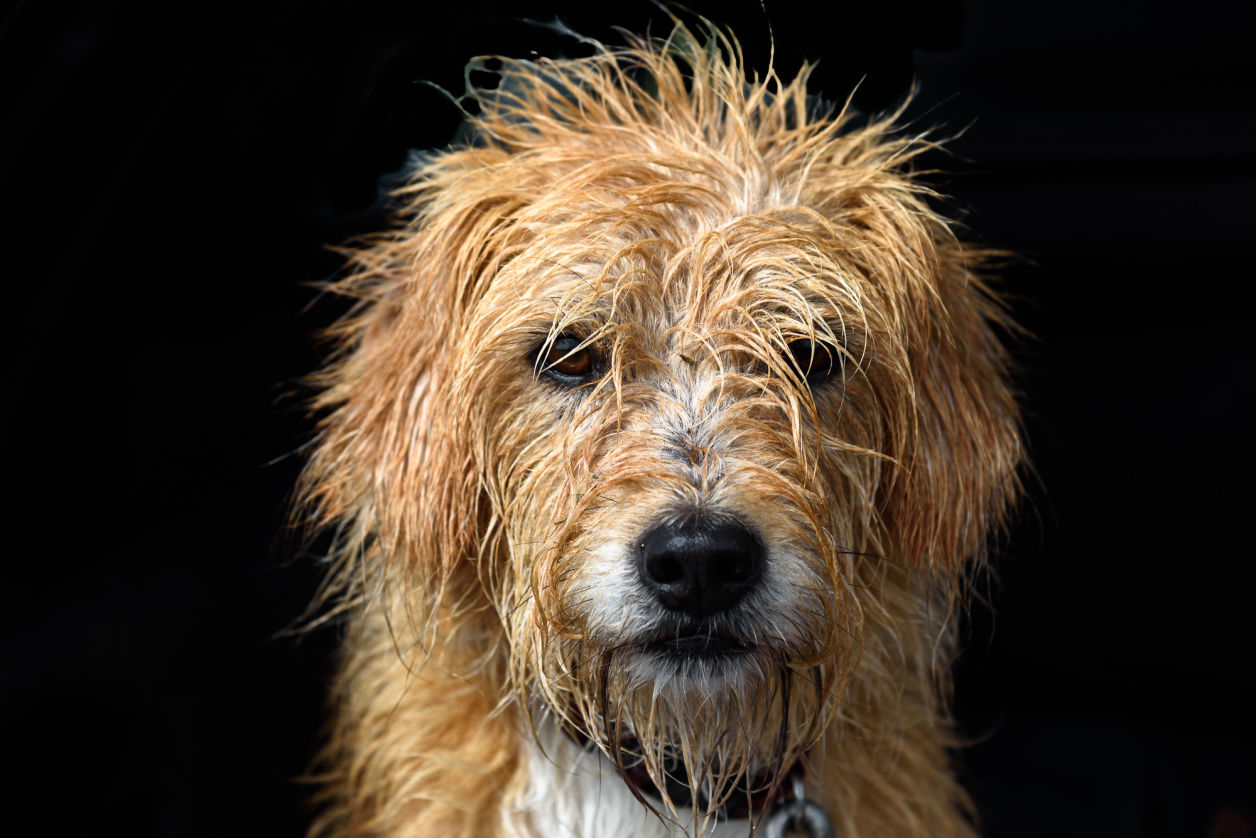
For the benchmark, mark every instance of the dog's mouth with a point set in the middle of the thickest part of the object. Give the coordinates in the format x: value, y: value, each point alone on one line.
x: 697, y: 646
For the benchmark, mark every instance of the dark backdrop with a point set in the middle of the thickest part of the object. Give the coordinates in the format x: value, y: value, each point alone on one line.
x: 172, y: 172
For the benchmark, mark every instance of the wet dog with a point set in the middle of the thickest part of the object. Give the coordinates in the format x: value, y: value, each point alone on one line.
x: 668, y: 427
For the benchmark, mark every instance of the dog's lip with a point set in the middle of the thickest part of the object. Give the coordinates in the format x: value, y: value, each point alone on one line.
x: 697, y: 645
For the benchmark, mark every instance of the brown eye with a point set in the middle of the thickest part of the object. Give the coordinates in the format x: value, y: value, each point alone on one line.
x: 567, y: 362
x: 818, y: 362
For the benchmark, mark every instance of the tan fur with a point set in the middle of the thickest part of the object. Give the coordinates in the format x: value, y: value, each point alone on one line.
x: 688, y: 222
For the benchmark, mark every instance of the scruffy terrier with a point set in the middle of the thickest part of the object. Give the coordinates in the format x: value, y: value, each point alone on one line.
x: 666, y: 431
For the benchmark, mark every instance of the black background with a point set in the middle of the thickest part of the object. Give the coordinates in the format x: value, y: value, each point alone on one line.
x: 172, y: 173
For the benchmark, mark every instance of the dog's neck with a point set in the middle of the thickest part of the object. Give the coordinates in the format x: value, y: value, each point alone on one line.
x: 571, y: 790
x: 754, y: 796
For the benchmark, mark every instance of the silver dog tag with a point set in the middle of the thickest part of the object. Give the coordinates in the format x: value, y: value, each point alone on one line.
x: 807, y: 818
x: 799, y: 815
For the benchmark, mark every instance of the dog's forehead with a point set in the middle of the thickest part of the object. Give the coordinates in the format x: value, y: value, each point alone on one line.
x: 676, y: 263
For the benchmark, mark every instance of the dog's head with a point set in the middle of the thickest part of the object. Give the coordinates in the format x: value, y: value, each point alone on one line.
x: 672, y: 394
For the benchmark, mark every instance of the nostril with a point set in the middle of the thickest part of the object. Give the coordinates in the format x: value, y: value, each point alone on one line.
x: 664, y: 569
x: 737, y: 569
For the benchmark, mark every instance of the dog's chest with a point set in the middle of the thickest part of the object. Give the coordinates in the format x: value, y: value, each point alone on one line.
x: 573, y: 793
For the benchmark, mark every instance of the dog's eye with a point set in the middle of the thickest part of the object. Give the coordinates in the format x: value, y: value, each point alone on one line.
x: 818, y: 362
x: 567, y: 362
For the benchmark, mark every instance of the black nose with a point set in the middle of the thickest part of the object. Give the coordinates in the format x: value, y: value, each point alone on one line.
x: 700, y: 565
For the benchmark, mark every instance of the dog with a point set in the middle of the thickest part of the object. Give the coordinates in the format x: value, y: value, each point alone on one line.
x: 661, y: 444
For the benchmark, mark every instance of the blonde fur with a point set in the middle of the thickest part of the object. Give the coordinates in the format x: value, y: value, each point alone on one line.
x: 686, y: 223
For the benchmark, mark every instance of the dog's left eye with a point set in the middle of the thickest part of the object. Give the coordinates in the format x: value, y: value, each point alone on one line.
x: 817, y: 361
x: 569, y: 363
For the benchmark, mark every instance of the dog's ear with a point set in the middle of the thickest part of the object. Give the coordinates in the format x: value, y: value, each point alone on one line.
x: 392, y: 470
x: 958, y: 462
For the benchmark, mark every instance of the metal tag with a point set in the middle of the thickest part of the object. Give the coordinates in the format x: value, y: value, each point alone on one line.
x: 799, y: 815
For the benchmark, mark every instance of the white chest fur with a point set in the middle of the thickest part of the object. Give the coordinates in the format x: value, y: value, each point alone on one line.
x: 576, y: 793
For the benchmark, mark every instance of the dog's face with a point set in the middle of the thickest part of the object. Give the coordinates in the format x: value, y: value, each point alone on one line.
x: 674, y: 410
x: 683, y: 396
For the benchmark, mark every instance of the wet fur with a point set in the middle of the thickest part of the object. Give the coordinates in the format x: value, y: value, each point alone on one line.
x: 688, y: 222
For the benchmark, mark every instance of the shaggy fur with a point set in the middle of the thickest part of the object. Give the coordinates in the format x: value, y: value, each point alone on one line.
x: 678, y: 231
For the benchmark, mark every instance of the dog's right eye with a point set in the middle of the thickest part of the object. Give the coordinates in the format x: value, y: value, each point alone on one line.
x: 568, y: 363
x: 817, y: 361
